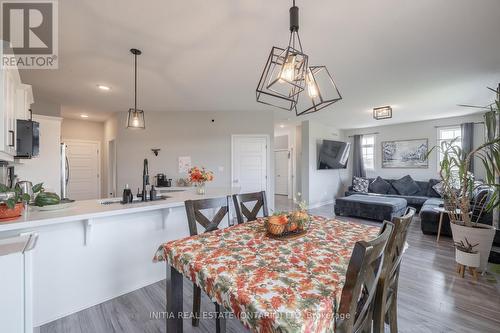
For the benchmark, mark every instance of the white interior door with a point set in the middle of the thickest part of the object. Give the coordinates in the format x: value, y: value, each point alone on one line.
x: 84, y: 169
x: 249, y: 164
x: 281, y: 172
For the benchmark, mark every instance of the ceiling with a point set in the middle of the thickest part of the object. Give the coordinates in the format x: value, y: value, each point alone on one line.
x: 423, y: 57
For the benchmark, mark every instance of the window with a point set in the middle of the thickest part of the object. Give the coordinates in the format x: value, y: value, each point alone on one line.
x: 368, y: 151
x: 448, y: 134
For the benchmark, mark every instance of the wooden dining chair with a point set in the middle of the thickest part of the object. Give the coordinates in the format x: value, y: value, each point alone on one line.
x: 385, y: 310
x: 355, y: 311
x: 243, y: 212
x: 195, y: 216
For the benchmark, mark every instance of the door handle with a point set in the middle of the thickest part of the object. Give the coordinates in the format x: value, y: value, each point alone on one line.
x: 67, y: 171
x: 235, y: 181
x: 12, y: 139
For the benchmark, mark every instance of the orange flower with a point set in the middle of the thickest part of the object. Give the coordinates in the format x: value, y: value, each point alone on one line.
x: 276, y: 302
x: 197, y: 175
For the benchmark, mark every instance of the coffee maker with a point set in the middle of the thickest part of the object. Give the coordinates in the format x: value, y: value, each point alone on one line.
x: 162, y: 181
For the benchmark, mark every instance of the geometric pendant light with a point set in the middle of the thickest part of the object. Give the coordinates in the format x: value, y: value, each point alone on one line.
x: 321, y: 90
x: 288, y: 77
x: 135, y: 116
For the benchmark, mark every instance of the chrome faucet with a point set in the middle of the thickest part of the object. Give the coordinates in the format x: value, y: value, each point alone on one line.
x: 145, y: 179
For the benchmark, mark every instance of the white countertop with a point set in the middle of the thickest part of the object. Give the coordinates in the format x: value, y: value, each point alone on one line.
x: 91, y: 209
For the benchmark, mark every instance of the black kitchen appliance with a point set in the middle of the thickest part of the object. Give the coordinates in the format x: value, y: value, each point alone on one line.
x: 162, y: 181
x: 28, y: 138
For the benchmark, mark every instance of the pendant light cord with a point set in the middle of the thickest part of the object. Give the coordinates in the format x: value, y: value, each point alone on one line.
x: 135, y: 83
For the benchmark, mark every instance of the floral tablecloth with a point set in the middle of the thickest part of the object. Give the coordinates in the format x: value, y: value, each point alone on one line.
x: 271, y: 285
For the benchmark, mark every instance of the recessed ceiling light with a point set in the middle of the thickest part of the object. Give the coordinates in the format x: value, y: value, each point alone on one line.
x: 282, y: 126
x: 84, y: 115
x: 103, y: 87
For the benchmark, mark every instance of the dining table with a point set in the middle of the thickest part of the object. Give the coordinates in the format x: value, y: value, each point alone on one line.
x: 270, y: 285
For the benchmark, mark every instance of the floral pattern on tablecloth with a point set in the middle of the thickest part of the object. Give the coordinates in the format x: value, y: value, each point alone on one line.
x: 271, y: 285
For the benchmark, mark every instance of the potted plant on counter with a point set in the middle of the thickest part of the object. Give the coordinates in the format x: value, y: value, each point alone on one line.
x: 466, y: 199
x: 199, y: 176
x: 12, y: 200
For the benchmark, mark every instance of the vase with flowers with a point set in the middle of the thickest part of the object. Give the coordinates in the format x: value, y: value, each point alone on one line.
x: 198, y: 177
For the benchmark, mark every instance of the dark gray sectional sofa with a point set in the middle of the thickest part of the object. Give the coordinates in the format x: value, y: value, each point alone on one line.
x: 416, y: 200
x: 425, y: 200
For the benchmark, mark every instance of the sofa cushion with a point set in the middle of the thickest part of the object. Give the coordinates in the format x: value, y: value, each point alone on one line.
x: 431, y: 192
x: 423, y: 188
x: 392, y: 190
x: 360, y: 184
x: 379, y: 186
x: 406, y: 186
x: 439, y: 189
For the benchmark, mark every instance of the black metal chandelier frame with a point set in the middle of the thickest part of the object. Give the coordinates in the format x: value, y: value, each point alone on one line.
x: 287, y: 74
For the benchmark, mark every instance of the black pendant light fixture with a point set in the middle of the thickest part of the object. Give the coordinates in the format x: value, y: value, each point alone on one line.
x: 135, y: 116
x: 287, y: 75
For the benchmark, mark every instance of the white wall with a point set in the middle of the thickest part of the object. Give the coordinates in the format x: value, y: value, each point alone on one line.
x: 74, y: 129
x: 110, y: 133
x: 319, y: 187
x: 187, y: 134
x: 417, y: 130
x: 46, y: 167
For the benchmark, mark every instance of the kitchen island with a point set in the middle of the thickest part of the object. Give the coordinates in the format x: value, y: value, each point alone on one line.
x: 97, y: 250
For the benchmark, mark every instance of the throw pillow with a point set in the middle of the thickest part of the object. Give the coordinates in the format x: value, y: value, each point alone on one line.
x: 379, y: 186
x: 438, y: 188
x: 360, y: 184
x: 431, y: 192
x: 406, y: 186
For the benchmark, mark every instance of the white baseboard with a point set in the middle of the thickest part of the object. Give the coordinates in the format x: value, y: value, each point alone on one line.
x: 323, y: 203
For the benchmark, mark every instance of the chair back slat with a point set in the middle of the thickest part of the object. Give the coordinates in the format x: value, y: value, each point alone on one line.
x: 396, y: 244
x: 358, y: 295
x: 194, y: 214
x: 389, y: 277
x: 243, y: 212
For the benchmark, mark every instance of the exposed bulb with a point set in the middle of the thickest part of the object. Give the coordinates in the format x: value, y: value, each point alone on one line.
x: 312, y: 88
x: 135, y: 120
x: 288, y: 72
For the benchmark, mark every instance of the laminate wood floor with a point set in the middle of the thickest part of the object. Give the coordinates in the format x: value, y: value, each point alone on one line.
x: 432, y: 298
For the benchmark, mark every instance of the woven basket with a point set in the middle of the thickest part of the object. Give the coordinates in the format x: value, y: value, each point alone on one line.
x: 276, y: 229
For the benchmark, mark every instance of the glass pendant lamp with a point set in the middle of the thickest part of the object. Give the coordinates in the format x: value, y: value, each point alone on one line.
x: 135, y: 116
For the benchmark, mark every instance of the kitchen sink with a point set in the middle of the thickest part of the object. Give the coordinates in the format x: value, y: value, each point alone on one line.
x: 135, y: 201
x: 170, y: 191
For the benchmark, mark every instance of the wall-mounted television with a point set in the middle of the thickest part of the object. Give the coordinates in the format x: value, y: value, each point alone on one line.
x: 333, y: 154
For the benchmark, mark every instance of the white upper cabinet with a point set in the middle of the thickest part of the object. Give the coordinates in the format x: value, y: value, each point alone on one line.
x: 24, y: 99
x: 15, y: 101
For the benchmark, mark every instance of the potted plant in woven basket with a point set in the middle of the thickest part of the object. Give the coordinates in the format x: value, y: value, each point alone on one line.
x: 459, y: 188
